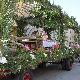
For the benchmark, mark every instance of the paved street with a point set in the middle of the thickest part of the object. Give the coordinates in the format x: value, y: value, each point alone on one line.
x: 53, y: 72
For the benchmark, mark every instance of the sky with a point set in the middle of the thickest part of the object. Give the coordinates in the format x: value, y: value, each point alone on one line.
x: 71, y: 7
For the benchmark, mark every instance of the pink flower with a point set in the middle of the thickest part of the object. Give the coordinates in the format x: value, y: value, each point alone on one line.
x: 26, y: 47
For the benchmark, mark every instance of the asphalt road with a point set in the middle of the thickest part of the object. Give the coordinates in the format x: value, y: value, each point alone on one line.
x: 54, y: 72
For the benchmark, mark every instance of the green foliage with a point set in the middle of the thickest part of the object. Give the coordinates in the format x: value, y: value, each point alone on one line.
x: 21, y: 59
x: 48, y: 15
x: 7, y: 8
x: 59, y: 54
x: 40, y: 56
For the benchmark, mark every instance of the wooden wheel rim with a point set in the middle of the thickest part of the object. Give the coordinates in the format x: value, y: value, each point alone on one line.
x: 27, y: 76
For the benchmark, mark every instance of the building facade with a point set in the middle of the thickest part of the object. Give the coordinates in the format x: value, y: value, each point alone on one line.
x: 70, y: 37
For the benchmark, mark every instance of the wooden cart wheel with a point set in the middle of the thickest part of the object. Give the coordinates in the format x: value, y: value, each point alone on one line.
x: 27, y: 76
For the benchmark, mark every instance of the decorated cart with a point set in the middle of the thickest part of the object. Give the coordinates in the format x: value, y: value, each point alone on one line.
x: 24, y: 48
x: 26, y: 54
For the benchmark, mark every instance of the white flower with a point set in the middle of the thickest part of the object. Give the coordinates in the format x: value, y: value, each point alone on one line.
x: 3, y: 60
x: 27, y: 60
x: 69, y: 47
x: 6, y: 55
x: 19, y: 67
x: 45, y: 54
x: 4, y: 41
x: 57, y: 55
x: 0, y: 52
x: 54, y: 58
x: 61, y: 53
x: 32, y: 56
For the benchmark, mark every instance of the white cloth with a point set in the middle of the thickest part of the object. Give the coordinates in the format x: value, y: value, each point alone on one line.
x: 48, y: 43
